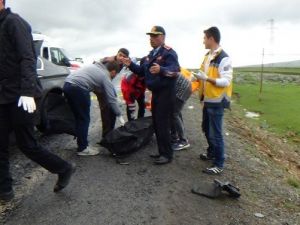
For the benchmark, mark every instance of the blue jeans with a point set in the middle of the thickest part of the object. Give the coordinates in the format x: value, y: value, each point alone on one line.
x: 80, y: 102
x: 212, y: 124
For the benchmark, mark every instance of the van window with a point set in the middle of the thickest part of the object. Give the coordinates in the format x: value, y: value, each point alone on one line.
x: 58, y: 57
x: 45, y: 53
x: 37, y: 47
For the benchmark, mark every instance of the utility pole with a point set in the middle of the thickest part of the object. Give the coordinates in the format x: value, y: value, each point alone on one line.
x: 261, y: 74
x: 271, y: 54
x: 271, y: 41
x: 271, y: 33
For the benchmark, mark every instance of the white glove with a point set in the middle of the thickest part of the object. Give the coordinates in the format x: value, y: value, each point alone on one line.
x: 200, y: 75
x: 121, y: 120
x: 27, y: 103
x: 193, y: 78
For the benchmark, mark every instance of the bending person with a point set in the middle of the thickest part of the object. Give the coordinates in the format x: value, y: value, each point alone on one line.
x: 78, y: 85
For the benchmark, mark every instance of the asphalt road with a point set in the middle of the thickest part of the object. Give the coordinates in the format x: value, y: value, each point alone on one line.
x: 105, y: 192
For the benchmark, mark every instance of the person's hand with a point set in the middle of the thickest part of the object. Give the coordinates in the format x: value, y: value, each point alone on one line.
x: 126, y: 61
x: 200, y: 75
x: 155, y: 69
x: 28, y: 103
x: 193, y: 78
x: 121, y: 120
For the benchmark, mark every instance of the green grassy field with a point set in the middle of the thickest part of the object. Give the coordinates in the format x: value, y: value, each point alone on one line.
x: 279, y: 105
x: 281, y: 70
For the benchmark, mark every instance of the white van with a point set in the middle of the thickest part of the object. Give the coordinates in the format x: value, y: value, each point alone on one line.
x: 48, y: 49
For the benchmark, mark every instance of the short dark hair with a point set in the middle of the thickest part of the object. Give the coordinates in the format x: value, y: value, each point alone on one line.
x: 124, y: 51
x: 213, y: 32
x: 113, y: 65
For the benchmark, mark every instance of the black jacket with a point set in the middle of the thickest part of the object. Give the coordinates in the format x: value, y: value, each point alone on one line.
x: 18, y: 75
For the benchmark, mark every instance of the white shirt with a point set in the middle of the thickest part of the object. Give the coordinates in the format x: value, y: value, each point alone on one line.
x: 156, y: 50
x: 225, y: 68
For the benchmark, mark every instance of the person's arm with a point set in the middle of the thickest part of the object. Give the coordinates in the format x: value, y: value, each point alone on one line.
x: 171, y: 66
x: 225, y: 71
x: 135, y: 68
x: 111, y: 95
x: 20, y: 34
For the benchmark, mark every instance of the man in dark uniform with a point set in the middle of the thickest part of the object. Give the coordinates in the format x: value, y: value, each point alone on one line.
x: 160, y: 69
x: 19, y: 86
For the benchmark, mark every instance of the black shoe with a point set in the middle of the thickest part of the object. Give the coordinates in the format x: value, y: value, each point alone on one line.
x: 64, y: 178
x: 155, y: 156
x: 7, y: 196
x: 162, y: 160
x: 206, y: 157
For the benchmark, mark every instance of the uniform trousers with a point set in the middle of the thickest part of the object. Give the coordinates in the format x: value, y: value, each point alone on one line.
x: 162, y: 109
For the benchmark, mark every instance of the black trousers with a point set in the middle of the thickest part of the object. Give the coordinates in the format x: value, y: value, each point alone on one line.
x: 130, y: 108
x: 108, y: 117
x: 13, y: 118
x: 162, y: 109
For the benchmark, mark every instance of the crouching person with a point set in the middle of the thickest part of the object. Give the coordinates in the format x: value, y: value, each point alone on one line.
x: 133, y: 89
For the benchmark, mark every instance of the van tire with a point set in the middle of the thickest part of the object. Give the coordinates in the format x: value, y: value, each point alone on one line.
x: 43, y: 123
x: 55, y: 114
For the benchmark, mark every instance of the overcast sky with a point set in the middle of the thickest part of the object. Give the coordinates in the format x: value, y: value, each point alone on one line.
x: 93, y: 29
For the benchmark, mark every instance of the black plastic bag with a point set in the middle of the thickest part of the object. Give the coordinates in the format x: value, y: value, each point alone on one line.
x: 130, y: 137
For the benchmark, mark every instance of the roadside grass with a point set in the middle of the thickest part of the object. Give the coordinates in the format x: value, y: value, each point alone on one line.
x: 294, y: 182
x: 278, y: 106
x: 291, y: 206
x: 280, y: 70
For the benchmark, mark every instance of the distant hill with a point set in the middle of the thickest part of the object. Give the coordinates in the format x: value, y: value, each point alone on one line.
x: 288, y: 64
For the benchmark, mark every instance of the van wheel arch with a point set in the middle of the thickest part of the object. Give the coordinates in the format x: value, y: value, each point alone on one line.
x: 43, y: 108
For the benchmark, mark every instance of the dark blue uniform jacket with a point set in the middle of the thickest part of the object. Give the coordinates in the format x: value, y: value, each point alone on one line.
x: 167, y: 58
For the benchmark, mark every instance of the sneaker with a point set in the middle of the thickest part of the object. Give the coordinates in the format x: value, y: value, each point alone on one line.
x: 88, y: 151
x: 213, y: 170
x: 206, y: 157
x: 181, y: 146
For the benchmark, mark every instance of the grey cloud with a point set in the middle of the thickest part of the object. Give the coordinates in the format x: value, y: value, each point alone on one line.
x: 78, y: 14
x: 252, y: 14
x: 94, y: 26
x: 86, y: 27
